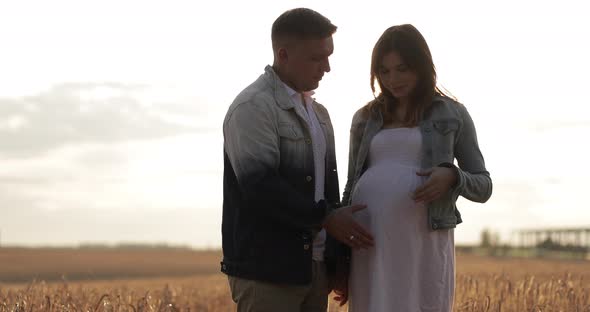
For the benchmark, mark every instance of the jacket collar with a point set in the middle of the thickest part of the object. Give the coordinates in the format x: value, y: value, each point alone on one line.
x: 283, y: 97
x: 280, y: 93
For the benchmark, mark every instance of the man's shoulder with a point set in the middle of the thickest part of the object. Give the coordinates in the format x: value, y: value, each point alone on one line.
x: 260, y: 89
x: 258, y: 93
x: 319, y: 107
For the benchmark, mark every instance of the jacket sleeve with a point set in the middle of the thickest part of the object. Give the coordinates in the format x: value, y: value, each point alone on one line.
x: 252, y: 145
x: 356, y: 130
x: 474, y: 182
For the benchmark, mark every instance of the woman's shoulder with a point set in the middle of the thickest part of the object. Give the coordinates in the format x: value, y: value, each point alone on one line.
x: 447, y: 101
x: 364, y: 113
x: 445, y: 105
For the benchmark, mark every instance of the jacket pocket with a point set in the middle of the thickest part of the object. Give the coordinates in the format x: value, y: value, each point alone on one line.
x: 287, y: 130
x: 445, y: 127
x: 445, y: 134
x: 291, y: 146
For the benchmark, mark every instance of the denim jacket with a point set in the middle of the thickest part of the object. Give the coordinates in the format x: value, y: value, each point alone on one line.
x: 448, y: 133
x: 269, y: 212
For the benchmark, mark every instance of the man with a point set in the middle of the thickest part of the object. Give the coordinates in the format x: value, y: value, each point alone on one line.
x: 280, y: 179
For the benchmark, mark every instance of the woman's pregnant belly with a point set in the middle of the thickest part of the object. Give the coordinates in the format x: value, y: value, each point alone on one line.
x: 387, y: 191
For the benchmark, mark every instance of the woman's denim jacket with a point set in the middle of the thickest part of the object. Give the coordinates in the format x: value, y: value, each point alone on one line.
x: 448, y: 133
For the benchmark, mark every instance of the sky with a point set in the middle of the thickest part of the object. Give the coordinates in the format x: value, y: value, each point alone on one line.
x: 111, y: 111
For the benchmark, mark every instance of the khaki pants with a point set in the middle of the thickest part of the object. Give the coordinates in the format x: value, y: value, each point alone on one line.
x: 257, y: 296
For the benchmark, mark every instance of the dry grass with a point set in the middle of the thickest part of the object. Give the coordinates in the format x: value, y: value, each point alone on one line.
x: 200, y: 293
x: 483, y: 284
x: 497, y: 284
x: 26, y: 264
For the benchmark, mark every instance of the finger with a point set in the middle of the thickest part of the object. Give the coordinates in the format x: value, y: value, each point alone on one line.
x: 355, y: 245
x: 424, y: 173
x: 344, y: 300
x: 429, y: 196
x: 360, y: 232
x: 432, y: 196
x: 349, y: 242
x: 343, y: 238
x: 356, y: 208
x: 420, y: 194
x: 352, y: 244
x: 363, y: 242
x: 428, y: 184
x: 418, y: 190
x: 356, y: 242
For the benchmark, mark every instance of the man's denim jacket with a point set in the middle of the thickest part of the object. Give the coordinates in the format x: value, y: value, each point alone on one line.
x: 448, y: 133
x: 269, y: 212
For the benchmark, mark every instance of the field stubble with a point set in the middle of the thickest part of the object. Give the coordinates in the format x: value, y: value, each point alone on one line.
x: 483, y: 284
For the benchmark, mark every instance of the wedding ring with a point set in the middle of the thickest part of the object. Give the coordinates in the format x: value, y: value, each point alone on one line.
x: 351, y: 237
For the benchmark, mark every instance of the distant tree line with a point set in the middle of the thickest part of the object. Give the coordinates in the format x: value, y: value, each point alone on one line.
x: 133, y: 246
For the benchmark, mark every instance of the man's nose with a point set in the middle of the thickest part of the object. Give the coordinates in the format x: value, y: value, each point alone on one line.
x: 327, y: 66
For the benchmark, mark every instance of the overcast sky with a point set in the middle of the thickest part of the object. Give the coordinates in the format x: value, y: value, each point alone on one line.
x: 111, y: 111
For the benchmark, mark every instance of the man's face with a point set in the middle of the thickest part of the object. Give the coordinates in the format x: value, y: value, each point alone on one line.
x: 306, y: 61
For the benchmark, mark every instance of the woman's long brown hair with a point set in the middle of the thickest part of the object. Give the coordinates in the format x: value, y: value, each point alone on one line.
x: 413, y: 49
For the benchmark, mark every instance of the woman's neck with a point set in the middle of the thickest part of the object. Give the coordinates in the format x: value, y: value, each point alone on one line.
x: 398, y: 115
x: 401, y: 109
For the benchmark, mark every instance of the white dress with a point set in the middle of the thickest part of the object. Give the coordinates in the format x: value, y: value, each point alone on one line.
x: 410, y: 268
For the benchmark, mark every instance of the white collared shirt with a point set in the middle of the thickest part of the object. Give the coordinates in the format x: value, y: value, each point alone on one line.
x: 305, y: 106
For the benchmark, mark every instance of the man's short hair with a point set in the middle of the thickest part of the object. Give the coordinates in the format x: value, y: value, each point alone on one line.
x: 301, y: 23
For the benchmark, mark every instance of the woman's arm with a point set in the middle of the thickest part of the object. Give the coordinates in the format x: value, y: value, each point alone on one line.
x: 473, y: 180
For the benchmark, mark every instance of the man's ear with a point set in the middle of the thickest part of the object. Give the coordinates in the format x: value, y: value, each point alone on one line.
x: 283, y: 55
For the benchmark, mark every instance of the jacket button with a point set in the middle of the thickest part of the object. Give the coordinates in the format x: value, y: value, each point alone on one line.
x: 306, y: 247
x: 308, y: 178
x: 426, y: 129
x: 307, y: 141
x: 435, y: 226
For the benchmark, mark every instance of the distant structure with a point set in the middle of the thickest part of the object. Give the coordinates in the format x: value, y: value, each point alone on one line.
x: 575, y: 239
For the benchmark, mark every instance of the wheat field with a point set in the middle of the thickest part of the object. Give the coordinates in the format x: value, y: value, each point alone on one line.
x: 483, y: 284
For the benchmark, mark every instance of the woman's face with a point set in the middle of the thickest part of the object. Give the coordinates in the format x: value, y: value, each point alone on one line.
x: 396, y: 76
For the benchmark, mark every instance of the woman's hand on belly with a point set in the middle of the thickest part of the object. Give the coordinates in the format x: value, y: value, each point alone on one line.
x: 440, y: 181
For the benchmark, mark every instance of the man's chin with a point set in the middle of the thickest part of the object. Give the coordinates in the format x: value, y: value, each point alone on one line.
x: 313, y: 86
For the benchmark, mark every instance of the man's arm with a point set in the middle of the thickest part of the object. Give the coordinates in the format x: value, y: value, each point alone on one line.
x: 253, y: 148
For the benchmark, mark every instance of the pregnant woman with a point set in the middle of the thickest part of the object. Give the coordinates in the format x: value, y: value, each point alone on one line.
x: 401, y: 165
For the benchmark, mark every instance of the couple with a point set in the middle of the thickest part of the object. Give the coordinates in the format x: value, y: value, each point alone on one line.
x: 288, y: 241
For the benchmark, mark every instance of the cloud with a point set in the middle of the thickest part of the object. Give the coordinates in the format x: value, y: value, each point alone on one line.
x: 31, y: 226
x: 77, y: 113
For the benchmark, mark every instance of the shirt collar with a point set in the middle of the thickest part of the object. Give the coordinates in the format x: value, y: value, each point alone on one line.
x: 292, y: 92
